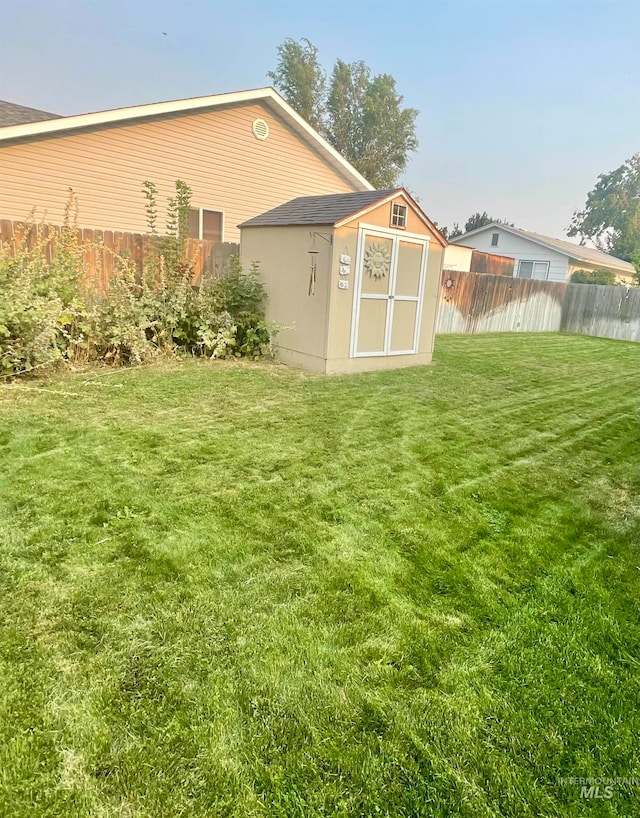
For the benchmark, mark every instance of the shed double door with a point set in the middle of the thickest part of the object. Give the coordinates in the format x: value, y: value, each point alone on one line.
x: 390, y: 273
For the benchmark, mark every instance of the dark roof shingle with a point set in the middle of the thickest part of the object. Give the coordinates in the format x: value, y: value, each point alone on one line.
x: 317, y: 209
x: 12, y: 114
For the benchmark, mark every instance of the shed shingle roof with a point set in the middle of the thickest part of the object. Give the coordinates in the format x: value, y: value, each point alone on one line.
x: 12, y: 114
x: 317, y: 209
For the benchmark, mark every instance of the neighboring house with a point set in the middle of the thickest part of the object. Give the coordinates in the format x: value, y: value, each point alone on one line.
x: 241, y: 154
x: 542, y: 257
x: 461, y: 259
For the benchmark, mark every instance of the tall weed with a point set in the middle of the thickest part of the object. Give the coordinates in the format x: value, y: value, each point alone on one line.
x: 50, y: 312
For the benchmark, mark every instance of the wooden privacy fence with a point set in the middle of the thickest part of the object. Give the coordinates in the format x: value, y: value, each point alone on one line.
x: 103, y: 247
x: 492, y: 264
x: 474, y: 303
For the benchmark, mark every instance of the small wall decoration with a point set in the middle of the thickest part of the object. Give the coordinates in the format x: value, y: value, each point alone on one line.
x: 377, y: 260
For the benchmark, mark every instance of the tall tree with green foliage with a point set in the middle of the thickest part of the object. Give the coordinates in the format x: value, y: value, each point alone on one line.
x: 300, y: 79
x: 367, y: 123
x: 359, y: 114
x: 345, y: 101
x: 477, y: 220
x: 611, y: 215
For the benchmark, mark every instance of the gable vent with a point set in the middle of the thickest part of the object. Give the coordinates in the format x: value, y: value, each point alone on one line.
x: 260, y: 129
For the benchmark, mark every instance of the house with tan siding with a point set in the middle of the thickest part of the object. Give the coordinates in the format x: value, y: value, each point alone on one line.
x: 240, y: 153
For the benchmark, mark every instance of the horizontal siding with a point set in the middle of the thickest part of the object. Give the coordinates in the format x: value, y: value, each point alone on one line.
x: 621, y: 278
x: 227, y: 168
x: 519, y: 248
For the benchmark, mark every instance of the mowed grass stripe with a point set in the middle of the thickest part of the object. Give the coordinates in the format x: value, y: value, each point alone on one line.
x: 242, y: 590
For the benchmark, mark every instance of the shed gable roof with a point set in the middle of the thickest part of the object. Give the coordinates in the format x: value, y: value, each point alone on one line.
x: 335, y: 209
x: 317, y: 209
x: 588, y: 255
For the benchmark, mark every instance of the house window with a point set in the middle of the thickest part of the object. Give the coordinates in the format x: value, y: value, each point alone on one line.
x: 205, y: 224
x: 494, y: 239
x: 398, y: 215
x: 533, y: 269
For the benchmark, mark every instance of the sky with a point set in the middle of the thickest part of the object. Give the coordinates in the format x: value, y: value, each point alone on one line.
x: 522, y: 102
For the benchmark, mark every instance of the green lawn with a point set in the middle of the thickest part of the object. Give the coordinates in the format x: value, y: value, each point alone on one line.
x: 241, y: 590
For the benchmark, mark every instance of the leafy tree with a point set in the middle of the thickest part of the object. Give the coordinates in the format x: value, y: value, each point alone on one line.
x: 449, y: 232
x: 345, y: 101
x: 359, y: 114
x: 477, y: 220
x: 444, y: 229
x: 474, y: 222
x: 300, y: 79
x: 611, y: 215
x: 367, y: 124
x: 480, y: 219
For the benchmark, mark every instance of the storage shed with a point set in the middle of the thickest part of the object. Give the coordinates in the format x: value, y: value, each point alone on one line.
x: 353, y: 277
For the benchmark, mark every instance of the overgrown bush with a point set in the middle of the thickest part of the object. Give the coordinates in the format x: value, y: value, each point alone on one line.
x: 37, y: 285
x: 29, y: 328
x: 598, y: 276
x: 50, y: 312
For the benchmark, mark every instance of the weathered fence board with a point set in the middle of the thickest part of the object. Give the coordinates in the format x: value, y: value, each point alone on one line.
x: 492, y: 264
x: 475, y: 302
x: 609, y: 312
x: 103, y: 247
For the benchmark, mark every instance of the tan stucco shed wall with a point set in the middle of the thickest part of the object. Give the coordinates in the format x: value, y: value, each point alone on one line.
x: 285, y: 264
x: 215, y: 152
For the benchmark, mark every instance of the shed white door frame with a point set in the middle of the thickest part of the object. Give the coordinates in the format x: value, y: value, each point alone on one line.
x: 396, y: 236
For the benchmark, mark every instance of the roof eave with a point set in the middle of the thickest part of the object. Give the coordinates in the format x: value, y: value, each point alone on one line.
x: 267, y: 95
x: 277, y: 103
x: 619, y: 265
x: 473, y: 232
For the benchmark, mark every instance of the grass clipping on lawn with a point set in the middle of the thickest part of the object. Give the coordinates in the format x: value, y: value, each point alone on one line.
x: 240, y: 590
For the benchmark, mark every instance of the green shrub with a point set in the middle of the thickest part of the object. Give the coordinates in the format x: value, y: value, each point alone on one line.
x: 49, y: 312
x: 598, y: 276
x: 118, y: 325
x: 239, y: 290
x: 29, y: 330
x: 35, y: 292
x: 254, y: 335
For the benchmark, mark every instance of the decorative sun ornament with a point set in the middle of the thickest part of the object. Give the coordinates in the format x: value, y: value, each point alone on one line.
x: 377, y: 260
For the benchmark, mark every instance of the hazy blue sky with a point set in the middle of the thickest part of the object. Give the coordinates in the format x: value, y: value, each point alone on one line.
x: 522, y: 102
